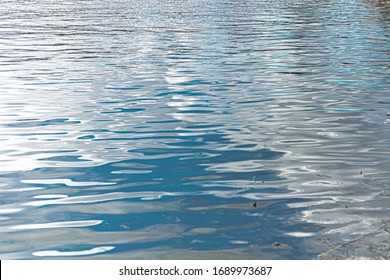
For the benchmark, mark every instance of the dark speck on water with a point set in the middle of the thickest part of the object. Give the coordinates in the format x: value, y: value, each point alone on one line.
x: 133, y: 129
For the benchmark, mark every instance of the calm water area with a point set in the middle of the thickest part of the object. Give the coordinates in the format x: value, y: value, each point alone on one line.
x: 194, y: 129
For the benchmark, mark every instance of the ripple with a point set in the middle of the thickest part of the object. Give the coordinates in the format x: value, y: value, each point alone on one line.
x: 98, y: 198
x: 10, y: 210
x: 239, y: 242
x: 205, y: 128
x: 300, y: 234
x: 131, y: 171
x: 50, y: 196
x: 55, y: 253
x: 21, y: 189
x: 66, y: 182
x: 56, y: 225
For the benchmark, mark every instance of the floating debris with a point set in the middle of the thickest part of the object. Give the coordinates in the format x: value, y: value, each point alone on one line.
x: 279, y: 245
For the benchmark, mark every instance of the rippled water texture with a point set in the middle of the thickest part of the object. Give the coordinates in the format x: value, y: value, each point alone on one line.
x: 149, y: 129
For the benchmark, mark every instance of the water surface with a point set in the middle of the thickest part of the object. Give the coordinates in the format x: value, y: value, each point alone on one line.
x: 148, y: 129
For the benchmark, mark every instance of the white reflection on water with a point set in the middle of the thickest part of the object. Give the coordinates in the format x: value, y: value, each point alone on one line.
x: 66, y: 182
x: 65, y: 224
x: 55, y: 253
x: 10, y: 210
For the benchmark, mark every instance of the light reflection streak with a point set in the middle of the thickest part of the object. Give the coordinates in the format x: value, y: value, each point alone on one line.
x: 65, y: 224
x: 55, y: 253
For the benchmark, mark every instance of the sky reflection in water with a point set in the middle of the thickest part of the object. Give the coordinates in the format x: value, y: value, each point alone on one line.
x: 148, y: 129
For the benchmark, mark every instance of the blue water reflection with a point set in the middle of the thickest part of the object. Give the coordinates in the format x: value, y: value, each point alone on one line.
x: 194, y: 129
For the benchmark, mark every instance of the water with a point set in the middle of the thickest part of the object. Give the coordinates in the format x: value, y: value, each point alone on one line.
x: 148, y: 129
